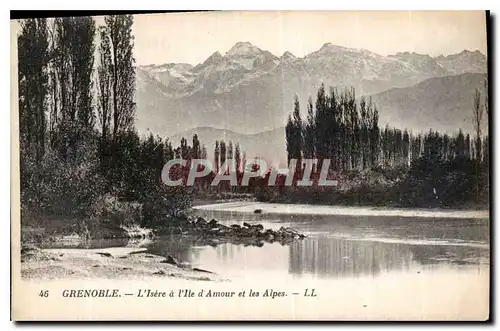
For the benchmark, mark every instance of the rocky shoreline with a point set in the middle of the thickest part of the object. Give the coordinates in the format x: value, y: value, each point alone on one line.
x: 247, y: 233
x: 124, y: 262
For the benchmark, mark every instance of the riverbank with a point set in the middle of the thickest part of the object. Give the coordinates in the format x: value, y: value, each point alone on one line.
x: 302, y: 209
x: 108, y: 263
x: 77, y: 260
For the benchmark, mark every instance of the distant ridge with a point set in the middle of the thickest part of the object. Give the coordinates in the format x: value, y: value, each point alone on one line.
x: 249, y: 90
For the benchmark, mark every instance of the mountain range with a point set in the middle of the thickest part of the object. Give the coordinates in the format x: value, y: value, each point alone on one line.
x: 249, y: 91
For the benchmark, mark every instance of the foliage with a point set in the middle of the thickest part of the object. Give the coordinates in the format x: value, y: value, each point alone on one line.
x: 423, y: 169
x: 95, y: 172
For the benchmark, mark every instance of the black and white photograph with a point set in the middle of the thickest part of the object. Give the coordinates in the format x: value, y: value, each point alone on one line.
x: 341, y: 155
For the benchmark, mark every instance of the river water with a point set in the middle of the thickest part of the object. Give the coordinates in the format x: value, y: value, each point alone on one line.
x: 364, y: 263
x: 340, y: 246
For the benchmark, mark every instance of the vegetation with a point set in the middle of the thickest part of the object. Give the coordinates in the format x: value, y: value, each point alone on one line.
x: 84, y: 168
x: 386, y: 166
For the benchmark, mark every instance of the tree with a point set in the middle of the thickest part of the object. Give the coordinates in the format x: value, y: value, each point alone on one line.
x: 223, y: 153
x: 230, y: 154
x: 290, y: 141
x: 354, y: 128
x: 104, y: 89
x: 118, y: 31
x: 82, y: 56
x: 320, y: 124
x: 185, y: 149
x: 374, y: 133
x: 405, y: 148
x: 73, y: 57
x: 364, y: 132
x: 309, y: 128
x: 217, y: 156
x: 196, y: 149
x: 298, y: 130
x: 293, y: 131
x: 237, y: 157
x: 33, y: 59
x: 478, y: 118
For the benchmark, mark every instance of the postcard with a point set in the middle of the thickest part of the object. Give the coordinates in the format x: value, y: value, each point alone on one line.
x: 246, y: 165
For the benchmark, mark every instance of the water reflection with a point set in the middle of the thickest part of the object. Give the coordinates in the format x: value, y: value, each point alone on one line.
x: 336, y: 247
x: 344, y: 246
x: 435, y: 229
x: 340, y: 258
x: 321, y: 257
x: 330, y: 257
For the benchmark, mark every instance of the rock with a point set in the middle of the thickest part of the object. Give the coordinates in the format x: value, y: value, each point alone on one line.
x: 251, y: 232
x: 270, y: 234
x: 201, y: 222
x: 202, y: 270
x: 159, y: 272
x: 210, y: 233
x: 184, y: 265
x: 258, y: 211
x: 171, y: 260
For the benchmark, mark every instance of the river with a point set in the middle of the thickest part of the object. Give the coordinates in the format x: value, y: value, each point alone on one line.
x: 364, y: 263
x: 343, y: 246
x: 349, y: 242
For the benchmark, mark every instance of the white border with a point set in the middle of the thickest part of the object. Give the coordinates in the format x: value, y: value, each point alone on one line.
x: 184, y: 5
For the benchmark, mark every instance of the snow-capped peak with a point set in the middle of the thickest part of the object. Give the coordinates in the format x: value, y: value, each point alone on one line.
x: 287, y: 56
x: 215, y: 57
x: 329, y: 47
x: 243, y: 48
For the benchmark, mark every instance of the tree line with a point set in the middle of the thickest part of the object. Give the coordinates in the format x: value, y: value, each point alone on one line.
x: 78, y: 143
x: 434, y: 166
x: 339, y: 128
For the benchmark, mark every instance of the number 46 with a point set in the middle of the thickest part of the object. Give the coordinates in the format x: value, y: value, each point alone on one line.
x: 44, y: 293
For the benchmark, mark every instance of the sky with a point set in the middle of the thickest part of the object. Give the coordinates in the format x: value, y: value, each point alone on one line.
x: 193, y: 37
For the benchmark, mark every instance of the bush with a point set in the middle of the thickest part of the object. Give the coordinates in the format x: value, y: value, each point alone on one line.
x: 57, y: 186
x: 166, y: 206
